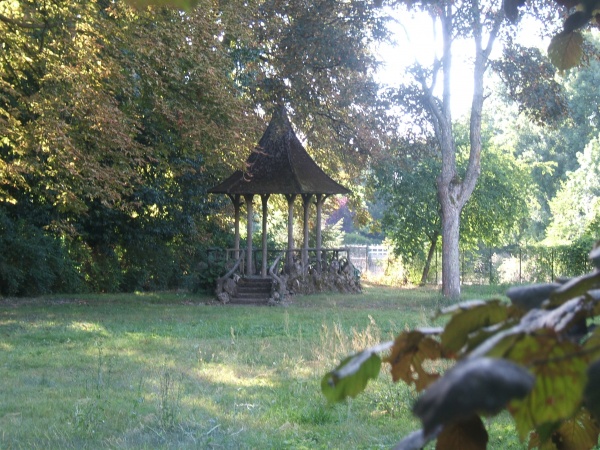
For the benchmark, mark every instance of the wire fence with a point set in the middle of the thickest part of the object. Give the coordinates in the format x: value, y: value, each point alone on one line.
x: 369, y: 259
x: 491, y: 266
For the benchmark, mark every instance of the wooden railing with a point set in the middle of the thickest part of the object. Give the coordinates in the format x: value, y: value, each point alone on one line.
x: 331, y: 258
x: 237, y: 267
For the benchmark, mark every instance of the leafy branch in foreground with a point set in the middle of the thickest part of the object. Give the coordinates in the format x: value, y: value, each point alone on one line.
x: 537, y: 356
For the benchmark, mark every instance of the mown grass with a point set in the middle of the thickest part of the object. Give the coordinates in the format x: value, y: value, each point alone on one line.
x: 171, y: 371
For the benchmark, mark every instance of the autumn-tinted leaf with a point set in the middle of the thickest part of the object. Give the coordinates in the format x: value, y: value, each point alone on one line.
x: 467, y: 320
x: 577, y: 433
x: 478, y: 385
x: 559, y: 381
x: 351, y: 377
x: 468, y: 434
x: 410, y: 350
x: 565, y: 50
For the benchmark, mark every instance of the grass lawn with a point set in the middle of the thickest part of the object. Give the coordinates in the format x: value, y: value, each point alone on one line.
x: 170, y: 371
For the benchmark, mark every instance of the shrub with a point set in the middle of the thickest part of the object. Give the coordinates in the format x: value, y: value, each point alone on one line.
x: 33, y: 262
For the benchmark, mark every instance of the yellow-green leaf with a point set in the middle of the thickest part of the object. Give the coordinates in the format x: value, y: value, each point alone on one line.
x: 565, y: 50
x: 577, y: 433
x: 560, y: 374
x: 466, y: 321
x: 351, y: 377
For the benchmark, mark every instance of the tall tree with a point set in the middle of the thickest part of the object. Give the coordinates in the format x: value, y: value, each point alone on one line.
x: 55, y: 109
x: 404, y: 180
x: 113, y: 122
x: 549, y: 143
x: 479, y: 21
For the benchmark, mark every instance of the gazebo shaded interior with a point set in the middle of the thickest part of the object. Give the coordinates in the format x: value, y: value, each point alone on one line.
x: 279, y: 165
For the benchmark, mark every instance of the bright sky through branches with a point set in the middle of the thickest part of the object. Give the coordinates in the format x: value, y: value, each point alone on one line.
x: 414, y: 40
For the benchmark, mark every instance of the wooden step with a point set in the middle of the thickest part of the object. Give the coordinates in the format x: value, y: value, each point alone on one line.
x: 253, y: 291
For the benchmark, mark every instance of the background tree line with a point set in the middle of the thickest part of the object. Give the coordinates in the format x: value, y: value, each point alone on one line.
x: 114, y: 121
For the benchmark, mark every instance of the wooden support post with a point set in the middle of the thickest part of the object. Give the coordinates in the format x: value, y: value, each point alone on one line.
x: 249, y: 226
x: 265, y: 200
x: 290, y: 226
x: 320, y: 199
x: 235, y: 199
x: 306, y: 206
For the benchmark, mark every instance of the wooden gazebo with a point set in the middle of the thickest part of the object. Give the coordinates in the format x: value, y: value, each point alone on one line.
x: 279, y: 165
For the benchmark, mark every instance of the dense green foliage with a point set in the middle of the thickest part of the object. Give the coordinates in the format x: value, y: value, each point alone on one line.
x: 552, y: 152
x: 95, y: 155
x: 576, y: 207
x: 537, y: 160
x: 115, y: 121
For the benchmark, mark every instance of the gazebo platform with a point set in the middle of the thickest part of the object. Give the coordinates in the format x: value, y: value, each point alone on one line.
x: 335, y: 273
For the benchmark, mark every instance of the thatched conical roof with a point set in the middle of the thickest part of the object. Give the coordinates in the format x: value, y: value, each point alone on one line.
x: 279, y: 165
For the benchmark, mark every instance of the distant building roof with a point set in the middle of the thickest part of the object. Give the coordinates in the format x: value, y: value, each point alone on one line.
x: 279, y: 165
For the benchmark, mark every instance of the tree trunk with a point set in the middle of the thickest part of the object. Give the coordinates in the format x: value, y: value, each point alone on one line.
x: 450, y: 251
x: 427, y: 268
